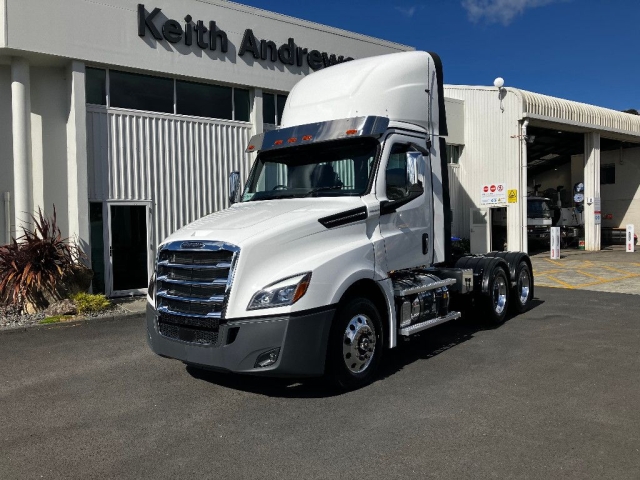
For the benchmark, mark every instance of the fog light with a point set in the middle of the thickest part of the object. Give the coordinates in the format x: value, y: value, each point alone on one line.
x: 267, y: 358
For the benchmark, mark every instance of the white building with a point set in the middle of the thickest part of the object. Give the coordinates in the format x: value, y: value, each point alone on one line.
x: 522, y: 140
x: 130, y: 117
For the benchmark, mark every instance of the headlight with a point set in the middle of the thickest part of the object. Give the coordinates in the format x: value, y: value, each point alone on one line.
x: 283, y: 292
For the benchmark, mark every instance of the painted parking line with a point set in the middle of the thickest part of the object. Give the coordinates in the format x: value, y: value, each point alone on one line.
x: 554, y: 262
x: 582, y: 272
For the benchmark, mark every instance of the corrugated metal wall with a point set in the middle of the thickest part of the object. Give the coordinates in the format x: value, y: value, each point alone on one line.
x: 181, y: 164
x: 491, y: 154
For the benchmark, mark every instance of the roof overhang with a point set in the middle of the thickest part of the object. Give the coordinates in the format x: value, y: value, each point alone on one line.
x: 543, y: 121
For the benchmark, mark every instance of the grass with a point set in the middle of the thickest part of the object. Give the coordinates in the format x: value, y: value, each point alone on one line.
x: 55, y: 319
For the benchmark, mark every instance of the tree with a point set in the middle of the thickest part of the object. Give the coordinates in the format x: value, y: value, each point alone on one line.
x: 632, y: 111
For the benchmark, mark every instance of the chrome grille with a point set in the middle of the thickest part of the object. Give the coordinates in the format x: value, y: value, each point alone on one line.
x: 192, y: 288
x: 208, y: 275
x: 194, y: 291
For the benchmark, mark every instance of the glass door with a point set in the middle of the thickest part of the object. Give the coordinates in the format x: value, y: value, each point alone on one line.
x: 130, y: 248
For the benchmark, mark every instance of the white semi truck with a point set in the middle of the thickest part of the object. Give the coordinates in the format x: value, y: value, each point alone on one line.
x: 339, y: 244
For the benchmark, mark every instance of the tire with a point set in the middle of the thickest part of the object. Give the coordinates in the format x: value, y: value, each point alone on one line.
x: 521, y: 294
x: 355, y: 344
x: 496, y: 303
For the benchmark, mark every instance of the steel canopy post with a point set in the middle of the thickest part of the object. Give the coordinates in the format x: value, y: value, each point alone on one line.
x: 592, y: 229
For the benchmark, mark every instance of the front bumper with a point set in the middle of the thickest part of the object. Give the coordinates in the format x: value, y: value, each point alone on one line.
x: 302, y: 339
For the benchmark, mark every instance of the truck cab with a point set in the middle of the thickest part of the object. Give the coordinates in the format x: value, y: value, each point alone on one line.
x: 339, y: 242
x: 539, y: 219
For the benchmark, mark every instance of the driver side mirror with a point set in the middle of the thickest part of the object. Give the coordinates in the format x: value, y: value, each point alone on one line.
x: 234, y: 187
x: 413, y: 167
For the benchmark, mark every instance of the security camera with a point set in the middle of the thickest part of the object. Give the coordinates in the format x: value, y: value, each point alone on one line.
x: 531, y: 138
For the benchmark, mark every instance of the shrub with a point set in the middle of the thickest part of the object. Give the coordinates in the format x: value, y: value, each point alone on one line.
x: 36, y: 263
x: 89, y: 303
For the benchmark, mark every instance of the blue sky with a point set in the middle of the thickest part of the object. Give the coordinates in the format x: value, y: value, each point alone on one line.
x: 584, y: 50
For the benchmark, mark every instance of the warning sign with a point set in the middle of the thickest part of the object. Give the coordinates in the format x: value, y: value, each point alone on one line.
x: 597, y: 212
x: 512, y: 196
x: 493, y: 194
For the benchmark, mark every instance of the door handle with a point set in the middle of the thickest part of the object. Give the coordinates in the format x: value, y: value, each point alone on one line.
x: 425, y: 243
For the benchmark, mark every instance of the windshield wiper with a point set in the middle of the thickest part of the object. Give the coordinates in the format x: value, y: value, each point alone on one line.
x: 321, y: 189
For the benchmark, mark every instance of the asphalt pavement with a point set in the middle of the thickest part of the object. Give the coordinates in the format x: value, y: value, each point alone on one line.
x: 552, y: 393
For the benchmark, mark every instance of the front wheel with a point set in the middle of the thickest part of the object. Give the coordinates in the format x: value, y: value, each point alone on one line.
x: 355, y: 344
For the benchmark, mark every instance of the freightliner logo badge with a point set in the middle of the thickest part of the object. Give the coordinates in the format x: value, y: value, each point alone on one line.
x: 192, y: 245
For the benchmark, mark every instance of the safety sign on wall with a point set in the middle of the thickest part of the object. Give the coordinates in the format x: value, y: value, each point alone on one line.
x: 493, y: 194
x: 597, y: 211
x: 512, y: 195
x: 630, y: 240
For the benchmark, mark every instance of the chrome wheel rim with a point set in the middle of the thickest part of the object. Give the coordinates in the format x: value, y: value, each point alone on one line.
x: 499, y: 294
x: 359, y: 343
x: 524, y: 285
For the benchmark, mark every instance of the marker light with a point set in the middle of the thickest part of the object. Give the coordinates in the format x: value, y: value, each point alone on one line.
x: 278, y: 142
x: 306, y: 138
x: 251, y: 147
x: 292, y: 140
x: 352, y: 132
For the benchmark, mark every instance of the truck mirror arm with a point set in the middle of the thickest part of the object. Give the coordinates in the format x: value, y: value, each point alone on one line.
x: 422, y: 150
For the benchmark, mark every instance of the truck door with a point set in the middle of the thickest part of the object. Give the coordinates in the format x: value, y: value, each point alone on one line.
x: 406, y: 213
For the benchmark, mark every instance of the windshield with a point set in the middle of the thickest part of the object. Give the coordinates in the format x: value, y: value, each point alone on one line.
x: 336, y: 169
x: 538, y: 208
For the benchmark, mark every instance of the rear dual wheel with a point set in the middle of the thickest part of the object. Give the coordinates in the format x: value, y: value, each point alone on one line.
x: 523, y: 290
x: 497, y: 302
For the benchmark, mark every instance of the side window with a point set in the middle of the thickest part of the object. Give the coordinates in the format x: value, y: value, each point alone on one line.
x: 397, y: 182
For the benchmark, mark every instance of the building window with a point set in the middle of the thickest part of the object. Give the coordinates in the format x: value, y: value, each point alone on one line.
x: 453, y: 154
x: 157, y: 94
x: 140, y: 92
x: 241, y: 104
x: 96, y: 86
x: 272, y: 108
x: 201, y: 100
x: 608, y: 174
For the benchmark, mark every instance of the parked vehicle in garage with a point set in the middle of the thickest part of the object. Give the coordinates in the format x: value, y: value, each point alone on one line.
x: 339, y: 244
x: 539, y: 219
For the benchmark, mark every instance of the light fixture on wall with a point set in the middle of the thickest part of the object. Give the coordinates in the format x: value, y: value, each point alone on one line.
x: 502, y: 92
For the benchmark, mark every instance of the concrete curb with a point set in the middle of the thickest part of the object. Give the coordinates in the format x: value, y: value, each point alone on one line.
x: 80, y: 321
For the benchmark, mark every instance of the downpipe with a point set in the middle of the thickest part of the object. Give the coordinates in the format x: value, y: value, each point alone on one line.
x: 524, y: 243
x: 7, y: 217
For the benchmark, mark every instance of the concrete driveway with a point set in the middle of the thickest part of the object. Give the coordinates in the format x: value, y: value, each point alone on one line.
x: 552, y: 393
x: 609, y: 270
